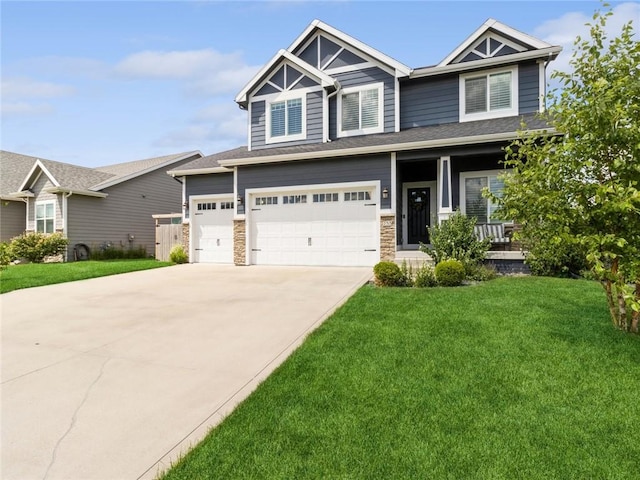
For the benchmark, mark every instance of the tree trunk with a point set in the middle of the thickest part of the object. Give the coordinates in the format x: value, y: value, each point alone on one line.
x: 623, y: 323
x: 635, y: 316
x: 612, y: 304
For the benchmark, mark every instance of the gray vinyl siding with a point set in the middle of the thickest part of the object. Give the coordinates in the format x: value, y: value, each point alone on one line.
x: 429, y: 102
x: 126, y: 210
x: 528, y: 87
x: 314, y: 123
x: 38, y: 188
x: 361, y: 78
x: 214, y: 184
x: 12, y: 219
x: 341, y: 170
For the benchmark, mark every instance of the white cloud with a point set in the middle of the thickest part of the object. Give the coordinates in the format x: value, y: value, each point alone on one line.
x: 27, y: 88
x: 25, y: 109
x: 205, y: 71
x: 564, y: 30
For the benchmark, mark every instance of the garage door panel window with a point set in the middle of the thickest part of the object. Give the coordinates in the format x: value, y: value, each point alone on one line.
x: 325, y: 197
x: 266, y: 201
x: 357, y: 196
x: 293, y: 199
x: 226, y: 205
x: 206, y: 206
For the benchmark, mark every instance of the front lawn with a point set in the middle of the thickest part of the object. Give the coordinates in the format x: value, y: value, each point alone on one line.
x: 517, y: 378
x: 39, y: 274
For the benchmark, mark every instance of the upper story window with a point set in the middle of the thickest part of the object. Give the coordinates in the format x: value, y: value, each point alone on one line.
x: 361, y: 110
x: 45, y: 217
x: 286, y: 119
x: 490, y: 94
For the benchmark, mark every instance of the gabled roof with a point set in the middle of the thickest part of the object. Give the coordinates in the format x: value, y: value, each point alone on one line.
x: 418, y: 138
x: 23, y: 170
x: 499, y: 28
x: 325, y: 80
x: 401, y: 69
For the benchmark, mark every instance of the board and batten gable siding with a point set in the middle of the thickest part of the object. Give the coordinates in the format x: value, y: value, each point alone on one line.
x: 528, y: 87
x: 125, y: 211
x: 12, y: 219
x: 361, y: 78
x: 430, y: 101
x: 314, y: 172
x: 314, y: 123
x: 40, y: 195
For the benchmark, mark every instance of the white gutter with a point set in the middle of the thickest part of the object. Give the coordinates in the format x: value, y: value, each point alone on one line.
x: 87, y: 193
x: 372, y: 149
x: 199, y: 171
x: 485, y: 62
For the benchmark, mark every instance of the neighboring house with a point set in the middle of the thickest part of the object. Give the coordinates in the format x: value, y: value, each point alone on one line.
x: 95, y: 207
x: 351, y: 155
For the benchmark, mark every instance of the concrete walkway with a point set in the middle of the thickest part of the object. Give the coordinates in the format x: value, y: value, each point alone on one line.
x: 113, y: 378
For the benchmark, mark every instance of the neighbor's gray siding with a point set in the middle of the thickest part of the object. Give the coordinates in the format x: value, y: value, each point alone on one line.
x: 528, y: 87
x: 38, y: 188
x: 362, y: 78
x: 12, y: 219
x: 314, y: 123
x: 431, y: 101
x: 126, y: 210
x: 341, y: 170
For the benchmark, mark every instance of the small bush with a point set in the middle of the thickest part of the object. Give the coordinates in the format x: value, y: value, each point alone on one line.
x: 6, y: 255
x: 455, y: 238
x: 425, y: 277
x: 110, y: 252
x: 178, y: 255
x: 388, y: 274
x: 407, y: 274
x: 36, y: 246
x: 481, y: 273
x: 450, y: 273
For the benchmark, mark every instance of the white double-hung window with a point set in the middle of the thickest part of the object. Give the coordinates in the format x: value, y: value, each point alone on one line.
x: 489, y: 94
x: 361, y: 110
x: 286, y: 119
x: 45, y: 217
x: 472, y: 203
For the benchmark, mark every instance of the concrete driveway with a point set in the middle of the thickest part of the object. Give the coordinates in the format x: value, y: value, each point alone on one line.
x: 112, y: 378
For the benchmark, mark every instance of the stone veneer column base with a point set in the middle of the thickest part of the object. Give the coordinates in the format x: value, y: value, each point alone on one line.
x: 185, y: 238
x: 239, y: 242
x: 387, y: 238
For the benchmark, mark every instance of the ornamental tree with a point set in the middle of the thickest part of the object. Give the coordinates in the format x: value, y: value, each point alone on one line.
x: 578, y: 183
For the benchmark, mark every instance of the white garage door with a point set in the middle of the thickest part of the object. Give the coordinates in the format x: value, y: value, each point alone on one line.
x: 213, y: 231
x: 333, y: 227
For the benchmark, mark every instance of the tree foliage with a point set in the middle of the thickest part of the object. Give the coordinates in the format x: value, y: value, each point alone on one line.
x: 578, y: 183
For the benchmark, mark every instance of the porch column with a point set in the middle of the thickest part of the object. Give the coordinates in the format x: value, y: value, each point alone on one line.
x: 444, y: 188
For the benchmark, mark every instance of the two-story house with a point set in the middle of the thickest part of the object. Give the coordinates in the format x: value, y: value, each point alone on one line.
x: 351, y: 154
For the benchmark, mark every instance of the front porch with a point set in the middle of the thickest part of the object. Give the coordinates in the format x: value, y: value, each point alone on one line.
x: 505, y: 262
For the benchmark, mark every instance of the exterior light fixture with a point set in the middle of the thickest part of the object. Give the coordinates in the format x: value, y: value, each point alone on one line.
x: 385, y: 193
x: 240, y: 200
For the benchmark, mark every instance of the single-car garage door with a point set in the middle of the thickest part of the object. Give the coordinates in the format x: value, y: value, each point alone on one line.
x: 331, y: 227
x: 212, y: 230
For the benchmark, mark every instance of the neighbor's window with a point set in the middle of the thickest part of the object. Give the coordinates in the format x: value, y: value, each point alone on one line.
x: 286, y: 120
x: 472, y: 202
x: 488, y: 95
x: 45, y: 217
x: 361, y: 111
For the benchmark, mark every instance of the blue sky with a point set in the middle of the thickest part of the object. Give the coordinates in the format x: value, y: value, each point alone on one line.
x: 95, y: 83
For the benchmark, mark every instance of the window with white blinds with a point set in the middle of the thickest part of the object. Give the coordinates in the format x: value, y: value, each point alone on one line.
x: 285, y: 120
x: 488, y: 95
x: 472, y: 201
x: 361, y: 110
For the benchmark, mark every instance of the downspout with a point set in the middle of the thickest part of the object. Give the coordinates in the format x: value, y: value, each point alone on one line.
x: 332, y: 94
x: 65, y: 217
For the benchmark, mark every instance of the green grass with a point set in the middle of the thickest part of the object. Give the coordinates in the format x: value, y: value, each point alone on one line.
x: 517, y: 378
x: 38, y: 274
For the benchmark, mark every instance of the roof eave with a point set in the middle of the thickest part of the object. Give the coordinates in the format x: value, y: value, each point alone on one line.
x: 74, y: 191
x: 199, y: 171
x: 394, y: 147
x: 548, y: 54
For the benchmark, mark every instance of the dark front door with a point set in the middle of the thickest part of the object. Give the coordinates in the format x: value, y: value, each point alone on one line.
x: 418, y: 215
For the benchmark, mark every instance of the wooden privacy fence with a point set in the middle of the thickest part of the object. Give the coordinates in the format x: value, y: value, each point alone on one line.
x: 168, y: 234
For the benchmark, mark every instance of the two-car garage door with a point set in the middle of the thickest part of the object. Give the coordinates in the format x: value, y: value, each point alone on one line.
x: 329, y: 227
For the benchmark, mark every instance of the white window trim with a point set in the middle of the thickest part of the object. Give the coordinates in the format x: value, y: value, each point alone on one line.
x: 473, y: 174
x: 35, y: 214
x: 283, y: 97
x: 503, y: 112
x: 362, y: 131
